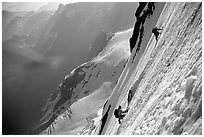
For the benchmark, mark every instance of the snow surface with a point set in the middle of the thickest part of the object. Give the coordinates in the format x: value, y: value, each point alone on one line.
x: 168, y: 96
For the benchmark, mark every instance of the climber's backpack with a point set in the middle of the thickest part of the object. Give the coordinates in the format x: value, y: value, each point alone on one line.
x: 116, y: 113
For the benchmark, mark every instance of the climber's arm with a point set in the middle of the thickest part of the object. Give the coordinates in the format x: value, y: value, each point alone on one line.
x: 125, y: 111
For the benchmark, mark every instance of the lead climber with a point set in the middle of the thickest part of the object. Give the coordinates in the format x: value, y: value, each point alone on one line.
x: 120, y: 114
x: 156, y: 32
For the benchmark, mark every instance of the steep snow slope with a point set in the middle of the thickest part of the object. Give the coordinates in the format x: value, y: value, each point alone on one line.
x: 165, y: 77
x: 85, y: 89
x: 127, y: 76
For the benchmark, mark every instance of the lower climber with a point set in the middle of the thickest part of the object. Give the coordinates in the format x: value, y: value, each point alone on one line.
x: 120, y: 114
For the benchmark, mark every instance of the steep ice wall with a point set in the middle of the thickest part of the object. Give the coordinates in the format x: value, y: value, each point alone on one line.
x: 166, y: 78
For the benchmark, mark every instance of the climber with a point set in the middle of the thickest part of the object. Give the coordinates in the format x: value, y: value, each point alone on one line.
x: 130, y: 95
x: 120, y: 114
x: 156, y: 32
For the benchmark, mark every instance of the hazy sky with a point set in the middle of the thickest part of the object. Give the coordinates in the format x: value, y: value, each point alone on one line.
x: 22, y: 6
x: 26, y: 6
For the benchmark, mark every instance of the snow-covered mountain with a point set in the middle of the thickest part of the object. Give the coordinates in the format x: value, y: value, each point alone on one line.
x: 86, y: 89
x: 164, y: 77
x: 30, y: 24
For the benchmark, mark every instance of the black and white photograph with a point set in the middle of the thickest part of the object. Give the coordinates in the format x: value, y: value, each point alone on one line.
x: 101, y: 68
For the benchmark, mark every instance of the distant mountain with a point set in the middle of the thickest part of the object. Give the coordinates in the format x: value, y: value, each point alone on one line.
x: 73, y: 28
x: 31, y: 23
x: 49, y: 6
x: 7, y: 16
x: 99, y: 43
x: 99, y: 75
x: 22, y: 6
x: 62, y: 39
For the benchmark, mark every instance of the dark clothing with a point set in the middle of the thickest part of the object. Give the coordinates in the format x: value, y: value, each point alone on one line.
x: 156, y: 32
x: 119, y: 113
x: 120, y: 118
